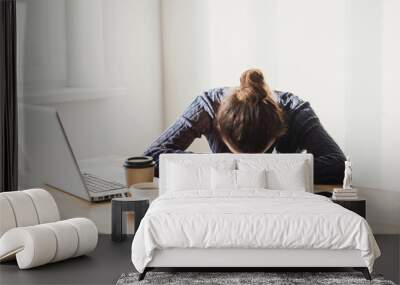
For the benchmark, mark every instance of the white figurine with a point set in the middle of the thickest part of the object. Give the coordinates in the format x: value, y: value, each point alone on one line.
x: 348, y: 176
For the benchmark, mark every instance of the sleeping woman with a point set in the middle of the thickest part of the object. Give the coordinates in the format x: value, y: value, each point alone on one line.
x: 252, y: 118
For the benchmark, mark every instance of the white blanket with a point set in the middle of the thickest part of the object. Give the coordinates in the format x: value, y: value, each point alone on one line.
x: 250, y: 219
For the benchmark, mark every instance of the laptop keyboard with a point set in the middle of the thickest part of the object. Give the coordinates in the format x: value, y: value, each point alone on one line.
x: 98, y: 185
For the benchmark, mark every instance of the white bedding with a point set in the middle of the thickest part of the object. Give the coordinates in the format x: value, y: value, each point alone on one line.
x: 251, y: 218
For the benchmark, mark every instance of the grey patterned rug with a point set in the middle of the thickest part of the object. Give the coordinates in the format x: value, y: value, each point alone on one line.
x: 232, y: 278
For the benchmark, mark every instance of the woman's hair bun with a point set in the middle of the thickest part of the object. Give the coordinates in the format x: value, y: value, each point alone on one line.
x: 252, y: 78
x: 253, y: 86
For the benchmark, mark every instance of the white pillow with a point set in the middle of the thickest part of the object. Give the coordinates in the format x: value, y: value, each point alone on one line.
x: 223, y: 179
x: 251, y: 178
x: 292, y: 179
x: 226, y: 179
x: 186, y: 175
x: 282, y: 174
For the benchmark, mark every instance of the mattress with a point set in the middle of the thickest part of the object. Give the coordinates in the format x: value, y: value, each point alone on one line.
x: 250, y: 219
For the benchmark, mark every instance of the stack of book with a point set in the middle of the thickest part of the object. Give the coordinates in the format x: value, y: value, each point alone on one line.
x: 345, y: 194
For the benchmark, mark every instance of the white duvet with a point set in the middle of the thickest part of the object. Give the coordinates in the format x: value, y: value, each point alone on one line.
x: 250, y: 219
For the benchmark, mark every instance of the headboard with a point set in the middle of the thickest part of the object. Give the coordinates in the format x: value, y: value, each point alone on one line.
x: 166, y: 159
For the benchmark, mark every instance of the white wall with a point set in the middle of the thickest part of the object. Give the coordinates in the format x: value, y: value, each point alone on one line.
x: 372, y: 136
x: 41, y: 44
x: 123, y: 125
x: 209, y: 43
x: 311, y: 57
x: 342, y: 56
x: 128, y: 44
x: 186, y: 69
x: 363, y: 104
x: 390, y: 101
x: 185, y: 53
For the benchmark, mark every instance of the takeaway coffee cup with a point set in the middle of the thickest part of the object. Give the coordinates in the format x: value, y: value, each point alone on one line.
x: 139, y: 169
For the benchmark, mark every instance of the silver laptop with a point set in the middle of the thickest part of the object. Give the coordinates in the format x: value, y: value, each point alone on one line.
x: 50, y: 156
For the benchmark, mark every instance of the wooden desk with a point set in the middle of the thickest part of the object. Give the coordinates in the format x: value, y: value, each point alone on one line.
x: 100, y: 212
x: 323, y: 188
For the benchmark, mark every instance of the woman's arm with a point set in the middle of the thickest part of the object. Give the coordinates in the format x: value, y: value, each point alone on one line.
x: 328, y: 157
x: 193, y: 123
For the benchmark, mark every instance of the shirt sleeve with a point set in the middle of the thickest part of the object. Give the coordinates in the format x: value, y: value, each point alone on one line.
x: 193, y: 123
x: 328, y: 157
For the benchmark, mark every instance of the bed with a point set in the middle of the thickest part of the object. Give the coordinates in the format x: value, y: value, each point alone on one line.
x: 247, y: 210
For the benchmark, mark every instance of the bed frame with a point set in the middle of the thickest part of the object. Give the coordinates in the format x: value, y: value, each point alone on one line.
x: 242, y: 259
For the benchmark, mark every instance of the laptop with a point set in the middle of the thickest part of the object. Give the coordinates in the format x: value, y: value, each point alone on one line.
x: 51, y: 158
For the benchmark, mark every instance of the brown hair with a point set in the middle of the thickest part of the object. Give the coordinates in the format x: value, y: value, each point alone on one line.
x: 249, y: 119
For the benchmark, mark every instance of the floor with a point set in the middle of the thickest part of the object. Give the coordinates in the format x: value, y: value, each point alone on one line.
x: 102, y: 266
x: 110, y: 260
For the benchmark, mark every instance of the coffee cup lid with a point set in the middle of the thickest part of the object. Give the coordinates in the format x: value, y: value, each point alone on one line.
x: 139, y: 162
